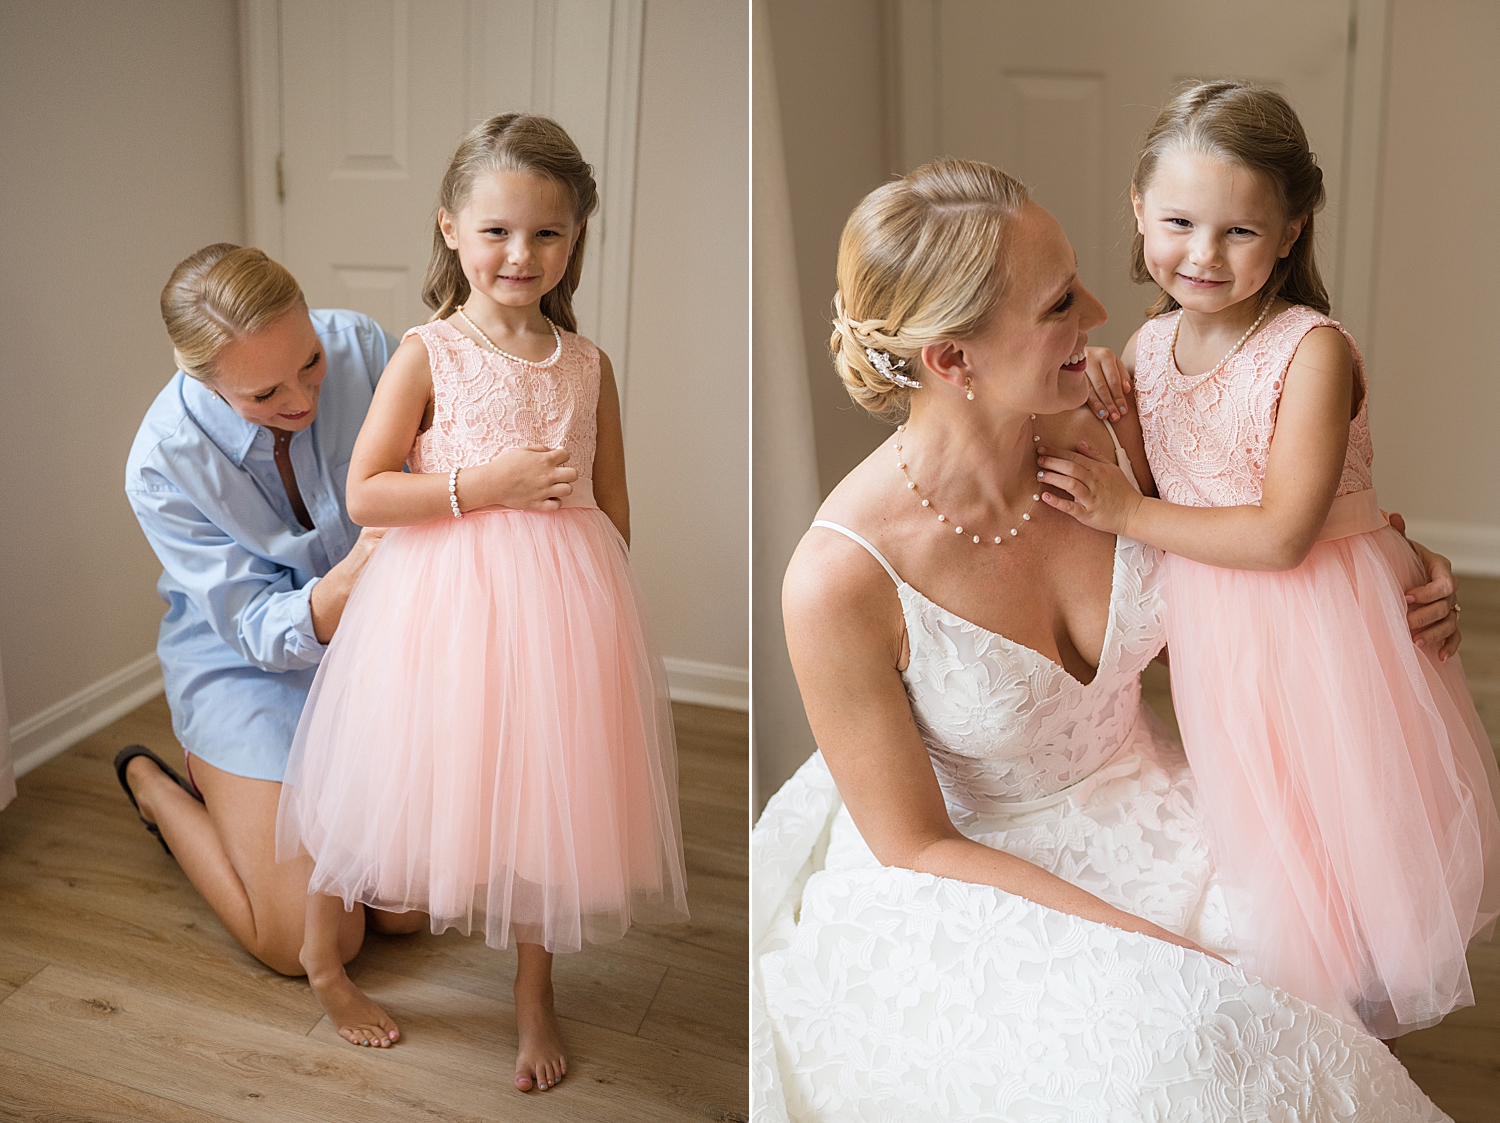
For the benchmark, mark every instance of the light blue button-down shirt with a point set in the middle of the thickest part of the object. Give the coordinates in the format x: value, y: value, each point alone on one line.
x: 236, y: 646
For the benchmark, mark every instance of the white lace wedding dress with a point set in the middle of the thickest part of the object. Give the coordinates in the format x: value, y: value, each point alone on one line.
x: 883, y: 994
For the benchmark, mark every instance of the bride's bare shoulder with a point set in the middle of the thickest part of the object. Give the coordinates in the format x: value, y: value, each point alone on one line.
x: 831, y: 574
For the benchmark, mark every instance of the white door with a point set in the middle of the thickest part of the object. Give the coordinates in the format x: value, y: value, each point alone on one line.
x: 354, y: 108
x: 1059, y: 94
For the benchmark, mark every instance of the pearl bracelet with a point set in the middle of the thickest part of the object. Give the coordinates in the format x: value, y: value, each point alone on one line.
x: 453, y: 493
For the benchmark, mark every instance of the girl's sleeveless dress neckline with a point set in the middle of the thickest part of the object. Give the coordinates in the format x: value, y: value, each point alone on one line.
x: 489, y: 737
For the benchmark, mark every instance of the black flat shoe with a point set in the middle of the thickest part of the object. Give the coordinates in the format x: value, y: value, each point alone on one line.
x: 123, y: 759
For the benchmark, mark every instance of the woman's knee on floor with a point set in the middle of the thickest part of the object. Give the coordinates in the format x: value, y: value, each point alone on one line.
x: 280, y: 951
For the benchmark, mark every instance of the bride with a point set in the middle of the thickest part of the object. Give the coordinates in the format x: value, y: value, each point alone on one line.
x: 991, y: 895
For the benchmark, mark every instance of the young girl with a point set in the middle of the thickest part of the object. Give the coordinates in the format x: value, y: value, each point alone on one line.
x: 488, y: 739
x: 1350, y: 785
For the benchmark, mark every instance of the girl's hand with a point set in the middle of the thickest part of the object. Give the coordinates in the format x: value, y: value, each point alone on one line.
x: 1102, y: 497
x: 1432, y: 609
x: 529, y: 478
x: 1109, y: 383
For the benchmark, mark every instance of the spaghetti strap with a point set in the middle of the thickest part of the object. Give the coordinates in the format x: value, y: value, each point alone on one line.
x: 1122, y: 458
x: 874, y: 553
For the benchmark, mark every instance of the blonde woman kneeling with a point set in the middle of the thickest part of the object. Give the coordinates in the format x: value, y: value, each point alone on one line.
x: 237, y: 478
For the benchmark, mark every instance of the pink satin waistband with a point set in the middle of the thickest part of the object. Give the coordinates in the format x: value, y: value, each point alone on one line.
x: 1355, y: 513
x: 583, y: 495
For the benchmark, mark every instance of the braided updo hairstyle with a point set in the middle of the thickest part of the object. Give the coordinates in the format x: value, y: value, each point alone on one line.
x: 920, y: 261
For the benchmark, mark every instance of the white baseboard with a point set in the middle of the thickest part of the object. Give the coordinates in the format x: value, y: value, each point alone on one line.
x: 708, y: 684
x: 1473, y: 548
x: 62, y: 725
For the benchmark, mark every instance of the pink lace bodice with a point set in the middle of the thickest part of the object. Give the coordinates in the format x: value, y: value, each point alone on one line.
x: 1208, y: 447
x: 484, y: 404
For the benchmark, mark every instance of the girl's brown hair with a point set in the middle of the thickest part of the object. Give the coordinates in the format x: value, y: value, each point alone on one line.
x: 1257, y: 129
x: 512, y: 142
x: 920, y: 261
x: 222, y: 293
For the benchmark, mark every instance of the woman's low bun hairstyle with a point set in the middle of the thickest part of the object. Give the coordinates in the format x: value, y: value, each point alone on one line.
x: 222, y: 293
x: 920, y: 261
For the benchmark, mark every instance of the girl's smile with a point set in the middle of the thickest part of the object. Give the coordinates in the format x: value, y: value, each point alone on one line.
x: 513, y: 235
x: 1213, y: 231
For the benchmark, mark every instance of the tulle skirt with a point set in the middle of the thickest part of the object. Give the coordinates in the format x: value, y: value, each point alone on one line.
x: 489, y: 739
x: 1350, y: 788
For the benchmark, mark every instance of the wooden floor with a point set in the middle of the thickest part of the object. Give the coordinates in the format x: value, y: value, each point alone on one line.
x: 122, y: 998
x: 1457, y: 1063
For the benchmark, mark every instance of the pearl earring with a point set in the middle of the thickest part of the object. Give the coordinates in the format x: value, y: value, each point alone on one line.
x: 969, y: 386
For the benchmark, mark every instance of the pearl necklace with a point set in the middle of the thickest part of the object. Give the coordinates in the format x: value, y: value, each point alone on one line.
x: 912, y: 486
x: 1233, y: 351
x: 547, y: 362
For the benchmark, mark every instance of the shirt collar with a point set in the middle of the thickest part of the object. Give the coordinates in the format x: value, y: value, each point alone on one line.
x: 227, y: 429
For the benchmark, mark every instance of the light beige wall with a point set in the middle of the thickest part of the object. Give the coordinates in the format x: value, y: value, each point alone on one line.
x: 119, y: 123
x: 687, y: 410
x: 830, y: 73
x: 1435, y: 394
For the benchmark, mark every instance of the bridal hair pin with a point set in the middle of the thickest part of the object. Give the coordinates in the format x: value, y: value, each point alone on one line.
x: 882, y: 362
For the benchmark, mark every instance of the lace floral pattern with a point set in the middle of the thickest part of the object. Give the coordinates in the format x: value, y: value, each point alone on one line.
x: 883, y: 994
x: 1004, y: 723
x: 484, y: 404
x: 1208, y: 447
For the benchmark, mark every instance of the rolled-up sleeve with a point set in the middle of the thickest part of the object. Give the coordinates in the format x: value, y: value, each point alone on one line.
x: 250, y: 602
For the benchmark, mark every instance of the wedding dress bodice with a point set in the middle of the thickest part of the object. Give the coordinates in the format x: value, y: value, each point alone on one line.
x: 1006, y: 726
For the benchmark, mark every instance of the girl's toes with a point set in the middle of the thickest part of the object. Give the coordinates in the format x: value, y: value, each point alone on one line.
x: 523, y: 1082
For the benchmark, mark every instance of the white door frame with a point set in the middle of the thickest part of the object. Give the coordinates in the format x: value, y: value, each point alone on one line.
x: 612, y: 229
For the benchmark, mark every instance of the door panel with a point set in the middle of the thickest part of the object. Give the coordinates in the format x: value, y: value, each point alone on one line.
x: 374, y: 96
x: 1060, y: 94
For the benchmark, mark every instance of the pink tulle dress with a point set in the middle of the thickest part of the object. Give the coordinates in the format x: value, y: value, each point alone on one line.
x: 488, y: 738
x: 1350, y: 787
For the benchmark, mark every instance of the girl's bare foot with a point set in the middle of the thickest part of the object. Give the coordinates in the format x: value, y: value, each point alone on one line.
x: 358, y: 1020
x: 540, y: 1061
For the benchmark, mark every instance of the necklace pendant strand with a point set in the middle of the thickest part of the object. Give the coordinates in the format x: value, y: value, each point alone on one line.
x: 547, y: 362
x: 1217, y: 367
x: 976, y: 539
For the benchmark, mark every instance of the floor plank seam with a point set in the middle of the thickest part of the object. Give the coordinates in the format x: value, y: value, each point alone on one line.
x: 636, y: 1032
x: 29, y: 977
